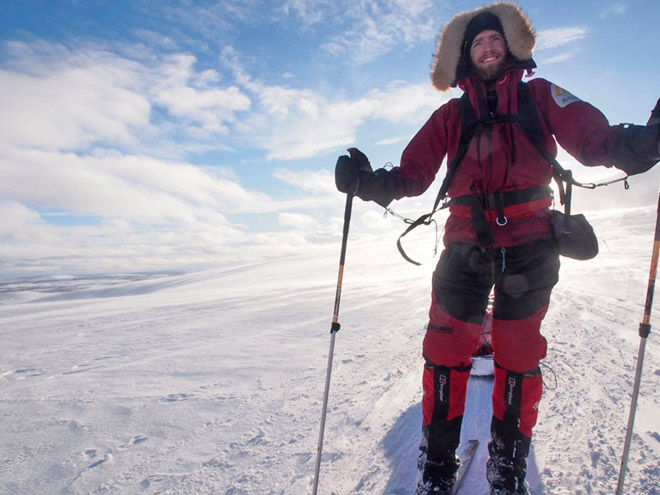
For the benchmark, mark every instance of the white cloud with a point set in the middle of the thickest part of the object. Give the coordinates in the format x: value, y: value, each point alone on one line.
x: 19, y: 223
x: 375, y: 28
x: 408, y: 103
x: 116, y: 246
x: 309, y: 12
x: 393, y: 140
x: 145, y: 213
x: 61, y: 105
x: 299, y: 123
x: 359, y: 30
x: 562, y: 57
x: 120, y: 245
x: 155, y: 39
x: 81, y: 134
x: 368, y: 28
x: 209, y: 19
x: 552, y: 38
x: 312, y: 181
x: 140, y: 189
x: 294, y: 123
x: 297, y: 220
x: 58, y: 99
x: 175, y: 89
x: 614, y: 9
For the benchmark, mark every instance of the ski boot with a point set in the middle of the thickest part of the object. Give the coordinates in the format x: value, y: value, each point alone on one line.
x: 505, y: 478
x: 507, y: 466
x: 436, y: 478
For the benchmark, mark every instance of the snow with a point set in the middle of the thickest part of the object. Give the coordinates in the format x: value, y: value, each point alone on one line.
x: 212, y: 382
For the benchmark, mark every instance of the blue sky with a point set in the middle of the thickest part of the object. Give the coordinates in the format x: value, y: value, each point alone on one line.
x: 180, y: 135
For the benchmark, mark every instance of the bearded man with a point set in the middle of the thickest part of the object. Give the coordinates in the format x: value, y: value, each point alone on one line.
x: 499, y: 234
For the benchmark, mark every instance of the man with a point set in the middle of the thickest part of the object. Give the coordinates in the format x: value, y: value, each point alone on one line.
x: 498, y: 234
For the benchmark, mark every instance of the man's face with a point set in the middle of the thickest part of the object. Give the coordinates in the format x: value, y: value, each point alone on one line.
x: 488, y: 54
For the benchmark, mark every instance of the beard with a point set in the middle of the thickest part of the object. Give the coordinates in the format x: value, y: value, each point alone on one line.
x: 491, y: 72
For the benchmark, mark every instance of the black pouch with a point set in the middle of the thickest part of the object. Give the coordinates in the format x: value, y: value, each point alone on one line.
x: 576, y: 237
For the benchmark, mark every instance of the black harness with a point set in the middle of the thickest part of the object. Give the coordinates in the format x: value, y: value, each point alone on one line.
x: 471, y: 126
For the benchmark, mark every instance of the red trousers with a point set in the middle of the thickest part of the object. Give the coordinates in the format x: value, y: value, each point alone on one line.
x: 522, y: 278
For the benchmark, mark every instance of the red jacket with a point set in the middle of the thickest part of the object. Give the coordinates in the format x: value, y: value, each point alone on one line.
x: 507, y: 161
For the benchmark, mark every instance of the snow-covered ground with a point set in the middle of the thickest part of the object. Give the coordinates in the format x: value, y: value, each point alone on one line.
x: 212, y: 383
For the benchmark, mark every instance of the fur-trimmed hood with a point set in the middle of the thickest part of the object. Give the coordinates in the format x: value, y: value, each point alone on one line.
x: 518, y: 31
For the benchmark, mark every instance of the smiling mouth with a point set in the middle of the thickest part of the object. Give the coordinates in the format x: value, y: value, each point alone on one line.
x: 489, y: 59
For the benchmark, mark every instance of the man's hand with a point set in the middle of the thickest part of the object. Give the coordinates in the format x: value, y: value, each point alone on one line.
x: 354, y: 174
x: 346, y: 175
x: 347, y: 170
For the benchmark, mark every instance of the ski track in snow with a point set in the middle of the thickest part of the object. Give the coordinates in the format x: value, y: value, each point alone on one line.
x: 212, y: 383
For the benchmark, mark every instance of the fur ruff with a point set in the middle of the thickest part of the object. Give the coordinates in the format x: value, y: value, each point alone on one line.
x: 518, y: 31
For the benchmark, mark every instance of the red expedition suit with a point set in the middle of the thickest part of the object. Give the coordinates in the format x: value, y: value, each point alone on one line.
x: 521, y: 262
x: 498, y: 234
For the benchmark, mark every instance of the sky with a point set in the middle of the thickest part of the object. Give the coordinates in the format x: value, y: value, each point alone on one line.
x: 185, y: 135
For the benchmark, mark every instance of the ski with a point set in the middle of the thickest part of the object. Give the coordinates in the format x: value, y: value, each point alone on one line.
x: 466, y: 459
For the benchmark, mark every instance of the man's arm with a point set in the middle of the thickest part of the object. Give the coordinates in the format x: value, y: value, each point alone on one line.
x: 585, y: 132
x: 422, y: 157
x: 419, y: 164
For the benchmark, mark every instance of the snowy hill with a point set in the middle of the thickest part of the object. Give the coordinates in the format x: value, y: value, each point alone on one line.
x: 211, y: 383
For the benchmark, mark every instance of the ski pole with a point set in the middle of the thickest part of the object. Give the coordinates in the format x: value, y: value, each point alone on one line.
x: 644, y: 331
x: 334, y: 328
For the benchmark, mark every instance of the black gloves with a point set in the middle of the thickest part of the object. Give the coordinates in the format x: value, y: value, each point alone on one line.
x: 354, y: 174
x: 347, y: 170
x: 638, y: 148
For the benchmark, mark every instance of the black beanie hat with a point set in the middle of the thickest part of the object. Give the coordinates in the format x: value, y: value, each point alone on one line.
x: 479, y: 23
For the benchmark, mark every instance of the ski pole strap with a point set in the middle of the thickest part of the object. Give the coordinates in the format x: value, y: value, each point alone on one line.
x: 469, y: 124
x: 426, y: 219
x: 423, y: 220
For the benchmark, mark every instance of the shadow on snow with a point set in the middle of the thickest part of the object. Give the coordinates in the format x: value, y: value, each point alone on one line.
x: 401, y: 444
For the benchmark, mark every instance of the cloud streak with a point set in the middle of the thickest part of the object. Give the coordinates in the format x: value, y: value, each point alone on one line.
x: 293, y: 123
x: 556, y: 37
x: 614, y: 9
x: 371, y: 28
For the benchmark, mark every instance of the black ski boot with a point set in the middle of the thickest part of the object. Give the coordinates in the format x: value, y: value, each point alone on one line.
x: 437, y: 464
x: 436, y: 478
x: 506, y: 467
x: 505, y: 478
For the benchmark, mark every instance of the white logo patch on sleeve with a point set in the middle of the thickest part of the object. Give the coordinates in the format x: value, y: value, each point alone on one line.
x: 562, y: 97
